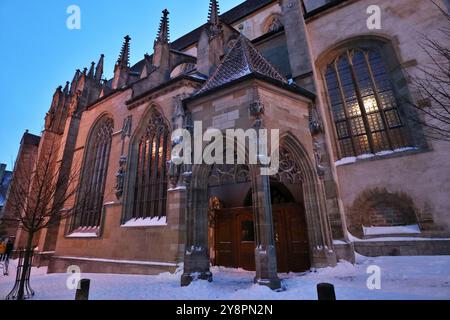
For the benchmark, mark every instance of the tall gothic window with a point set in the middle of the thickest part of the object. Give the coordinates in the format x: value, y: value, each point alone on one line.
x: 93, y: 179
x: 152, y: 152
x: 363, y: 104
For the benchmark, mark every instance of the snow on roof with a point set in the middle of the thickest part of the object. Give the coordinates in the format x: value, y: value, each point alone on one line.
x: 242, y: 60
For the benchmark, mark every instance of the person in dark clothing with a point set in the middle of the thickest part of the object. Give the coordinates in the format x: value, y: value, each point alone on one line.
x: 6, y: 255
x: 9, y: 248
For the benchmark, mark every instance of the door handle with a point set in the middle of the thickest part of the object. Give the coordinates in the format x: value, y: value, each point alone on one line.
x: 277, y: 237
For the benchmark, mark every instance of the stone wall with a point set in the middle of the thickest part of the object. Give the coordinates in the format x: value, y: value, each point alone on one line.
x: 379, y: 208
x: 115, y: 242
x: 423, y: 174
x: 403, y: 248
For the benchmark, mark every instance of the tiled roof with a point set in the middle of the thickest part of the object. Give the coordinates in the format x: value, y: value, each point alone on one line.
x: 242, y: 60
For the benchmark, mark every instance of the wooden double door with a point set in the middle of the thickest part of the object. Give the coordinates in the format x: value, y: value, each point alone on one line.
x: 235, y: 238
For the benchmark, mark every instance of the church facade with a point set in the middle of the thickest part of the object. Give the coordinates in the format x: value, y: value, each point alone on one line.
x: 355, y: 168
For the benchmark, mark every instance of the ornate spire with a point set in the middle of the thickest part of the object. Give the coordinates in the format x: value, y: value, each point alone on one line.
x: 75, y: 80
x: 91, y: 70
x: 99, y: 69
x: 66, y: 88
x: 213, y: 16
x: 58, y: 92
x: 124, y: 57
x: 163, y: 31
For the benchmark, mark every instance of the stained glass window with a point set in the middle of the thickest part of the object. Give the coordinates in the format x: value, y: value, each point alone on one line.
x: 150, y: 187
x: 93, y: 178
x: 363, y: 104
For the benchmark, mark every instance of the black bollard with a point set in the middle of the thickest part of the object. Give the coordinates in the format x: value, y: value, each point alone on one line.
x: 325, y: 292
x: 83, y: 290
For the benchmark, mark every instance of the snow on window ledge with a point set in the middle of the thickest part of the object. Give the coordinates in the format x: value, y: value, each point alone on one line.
x: 354, y: 239
x: 377, y: 231
x: 350, y: 160
x: 84, y: 232
x: 339, y: 242
x: 111, y: 203
x: 147, y: 222
x: 179, y: 188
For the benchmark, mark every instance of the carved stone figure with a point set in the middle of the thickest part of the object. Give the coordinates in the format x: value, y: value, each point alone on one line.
x: 120, y: 177
x: 315, y: 121
x: 319, y: 159
x: 275, y: 25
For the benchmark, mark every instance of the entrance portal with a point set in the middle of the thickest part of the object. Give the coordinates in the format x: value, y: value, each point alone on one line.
x: 235, y: 238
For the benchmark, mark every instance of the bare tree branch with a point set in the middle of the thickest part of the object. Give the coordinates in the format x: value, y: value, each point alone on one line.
x: 432, y: 85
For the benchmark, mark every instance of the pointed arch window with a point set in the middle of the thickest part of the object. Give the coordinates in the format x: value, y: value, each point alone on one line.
x: 363, y: 104
x: 93, y: 178
x: 148, y: 185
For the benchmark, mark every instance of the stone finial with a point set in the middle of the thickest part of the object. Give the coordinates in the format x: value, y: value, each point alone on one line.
x: 91, y: 70
x: 66, y: 88
x: 99, y: 68
x: 76, y: 78
x: 124, y: 57
x: 121, y: 70
x: 213, y: 16
x: 163, y: 31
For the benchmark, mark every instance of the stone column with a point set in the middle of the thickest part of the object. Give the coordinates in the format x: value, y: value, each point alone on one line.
x: 196, y: 256
x: 176, y: 199
x: 324, y: 171
x: 297, y: 42
x: 318, y: 226
x: 265, y: 255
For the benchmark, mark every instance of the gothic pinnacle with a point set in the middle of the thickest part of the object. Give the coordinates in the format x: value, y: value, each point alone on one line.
x: 163, y: 31
x: 124, y: 57
x: 91, y: 70
x: 99, y: 68
x: 66, y: 88
x: 75, y: 80
x: 213, y: 16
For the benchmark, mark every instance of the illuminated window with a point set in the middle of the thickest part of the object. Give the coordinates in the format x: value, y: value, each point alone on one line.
x: 150, y: 186
x: 93, y: 178
x: 363, y: 104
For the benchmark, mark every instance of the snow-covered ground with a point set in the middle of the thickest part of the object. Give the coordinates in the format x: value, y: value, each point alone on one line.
x: 402, y: 278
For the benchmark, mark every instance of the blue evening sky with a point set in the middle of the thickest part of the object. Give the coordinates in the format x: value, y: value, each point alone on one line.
x: 38, y: 52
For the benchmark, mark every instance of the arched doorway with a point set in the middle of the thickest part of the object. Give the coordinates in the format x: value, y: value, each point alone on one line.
x: 296, y: 168
x: 234, y: 233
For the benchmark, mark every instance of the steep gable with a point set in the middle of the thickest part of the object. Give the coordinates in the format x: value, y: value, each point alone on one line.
x: 242, y: 60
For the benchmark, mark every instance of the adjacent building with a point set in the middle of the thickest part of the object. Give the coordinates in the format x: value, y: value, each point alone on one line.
x: 25, y: 162
x: 5, y: 180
